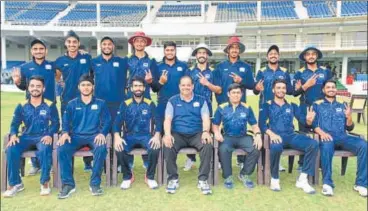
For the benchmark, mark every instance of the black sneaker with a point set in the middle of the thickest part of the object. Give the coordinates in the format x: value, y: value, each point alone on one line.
x: 96, y: 190
x: 66, y: 191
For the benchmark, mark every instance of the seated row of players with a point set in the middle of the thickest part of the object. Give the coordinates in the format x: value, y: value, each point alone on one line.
x: 86, y: 121
x: 110, y: 75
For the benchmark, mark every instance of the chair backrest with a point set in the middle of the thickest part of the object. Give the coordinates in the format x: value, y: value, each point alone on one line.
x: 358, y: 103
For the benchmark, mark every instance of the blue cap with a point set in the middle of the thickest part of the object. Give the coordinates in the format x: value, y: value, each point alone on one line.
x: 307, y: 48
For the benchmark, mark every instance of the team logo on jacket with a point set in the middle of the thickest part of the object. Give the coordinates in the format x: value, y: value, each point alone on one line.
x: 208, y: 76
x: 83, y: 61
x: 66, y: 65
x: 225, y: 69
x: 31, y: 68
x: 288, y: 110
x: 243, y: 115
x: 144, y: 112
x: 115, y: 64
x: 94, y: 107
x: 43, y: 112
x: 145, y: 64
x: 338, y: 109
x: 242, y: 69
x: 48, y: 67
x: 179, y: 69
x: 321, y: 75
x: 98, y: 65
x: 196, y: 104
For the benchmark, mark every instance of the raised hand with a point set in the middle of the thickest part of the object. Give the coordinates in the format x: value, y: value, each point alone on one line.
x: 347, y: 111
x: 298, y: 85
x: 310, y: 115
x: 16, y: 76
x: 163, y: 77
x: 259, y: 87
x: 236, y: 78
x: 202, y: 79
x: 311, y: 81
x: 148, y: 78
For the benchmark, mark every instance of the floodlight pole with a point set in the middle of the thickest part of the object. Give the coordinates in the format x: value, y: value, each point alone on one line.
x: 98, y: 16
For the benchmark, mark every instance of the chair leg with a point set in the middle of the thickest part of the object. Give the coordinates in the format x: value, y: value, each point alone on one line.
x: 22, y: 166
x: 58, y: 176
x: 4, y: 173
x: 211, y: 174
x: 114, y: 169
x: 363, y: 117
x: 358, y: 117
x: 215, y: 167
x: 267, y: 168
x: 108, y: 168
x: 316, y: 168
x: 164, y: 173
x: 54, y: 167
x: 260, y: 179
x: 344, y: 163
x: 159, y: 168
x: 291, y: 164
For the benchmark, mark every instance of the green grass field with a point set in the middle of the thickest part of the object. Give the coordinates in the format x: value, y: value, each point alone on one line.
x: 188, y: 196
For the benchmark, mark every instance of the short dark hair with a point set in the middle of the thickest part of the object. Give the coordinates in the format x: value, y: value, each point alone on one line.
x: 37, y: 78
x: 139, y: 79
x: 169, y: 43
x: 329, y: 81
x: 278, y: 81
x: 235, y: 86
x: 186, y: 76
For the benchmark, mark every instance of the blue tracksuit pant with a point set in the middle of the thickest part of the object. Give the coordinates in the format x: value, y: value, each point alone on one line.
x: 13, y: 155
x: 66, y: 152
x: 124, y: 157
x: 299, y: 142
x: 352, y: 144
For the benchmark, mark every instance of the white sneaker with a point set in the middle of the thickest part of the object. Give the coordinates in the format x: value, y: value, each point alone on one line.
x: 361, y: 190
x: 327, y: 190
x: 152, y: 183
x: 172, y: 186
x: 126, y: 184
x: 303, y: 184
x: 13, y: 191
x: 188, y: 164
x: 281, y: 168
x: 275, y: 184
x: 205, y: 187
x: 33, y: 171
x: 45, y: 190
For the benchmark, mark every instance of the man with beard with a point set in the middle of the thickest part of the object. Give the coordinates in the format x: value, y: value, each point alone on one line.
x: 330, y: 119
x: 234, y: 116
x: 110, y: 75
x: 38, y: 66
x: 308, y: 83
x: 267, y: 75
x: 137, y: 115
x: 69, y: 68
x: 86, y: 122
x: 187, y: 124
x: 203, y: 80
x: 41, y: 121
x: 141, y: 65
x: 276, y: 120
x: 233, y: 70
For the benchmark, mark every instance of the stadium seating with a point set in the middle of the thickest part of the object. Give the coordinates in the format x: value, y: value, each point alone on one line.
x: 236, y: 12
x: 278, y: 10
x: 32, y: 13
x: 354, y: 8
x: 320, y: 9
x: 111, y: 14
x: 180, y: 10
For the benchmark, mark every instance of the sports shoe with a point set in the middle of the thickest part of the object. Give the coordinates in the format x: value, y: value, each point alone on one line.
x: 96, y: 190
x: 327, y: 190
x: 152, y: 183
x: 188, y: 164
x: 275, y: 184
x: 205, y: 187
x: 281, y: 168
x: 229, y: 182
x: 247, y: 182
x: 361, y: 190
x: 303, y: 184
x: 172, y: 186
x: 87, y: 168
x: 11, y: 192
x: 33, y: 171
x: 45, y: 189
x: 66, y: 191
x: 127, y: 183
